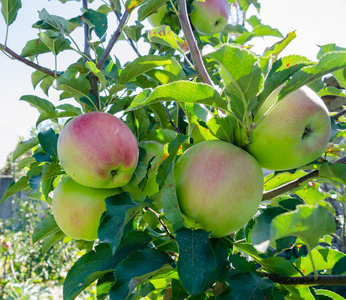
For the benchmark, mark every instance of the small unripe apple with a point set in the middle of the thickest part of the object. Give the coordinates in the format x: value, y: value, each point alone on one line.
x: 210, y: 16
x: 98, y: 150
x: 218, y: 185
x: 295, y: 132
x: 77, y: 209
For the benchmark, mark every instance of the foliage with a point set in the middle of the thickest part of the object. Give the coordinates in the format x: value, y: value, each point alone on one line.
x: 177, y: 97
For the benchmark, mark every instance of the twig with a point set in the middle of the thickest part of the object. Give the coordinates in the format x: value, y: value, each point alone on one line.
x: 160, y: 220
x: 307, y: 280
x: 339, y: 114
x: 192, y: 43
x: 28, y: 62
x: 170, y: 119
x: 295, y: 183
x: 113, y: 39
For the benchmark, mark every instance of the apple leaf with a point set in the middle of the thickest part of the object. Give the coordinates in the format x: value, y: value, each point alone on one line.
x: 51, y: 240
x: 73, y: 86
x: 132, y: 4
x: 324, y: 259
x: 307, y: 222
x: 96, y: 263
x: 336, y: 172
x: 329, y: 294
x: 196, y: 259
x: 49, y: 141
x: 24, y: 146
x: 240, y: 71
x: 97, y: 22
x: 42, y: 105
x: 278, y: 47
x: 55, y: 41
x: 181, y: 91
x: 34, y: 48
x: 141, y: 65
x: 329, y: 62
x: 9, y: 10
x: 165, y: 36
x: 140, y: 265
x: 15, y: 187
x: 275, y: 180
x: 148, y: 8
x: 310, y: 193
x: 300, y: 292
x: 116, y: 217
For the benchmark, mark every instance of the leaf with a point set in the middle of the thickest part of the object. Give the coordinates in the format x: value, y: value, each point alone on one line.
x: 335, y: 172
x: 9, y: 10
x: 165, y: 36
x: 278, y: 47
x: 273, y: 181
x: 340, y: 267
x: 240, y: 71
x: 132, y: 4
x: 141, y: 65
x: 24, y: 146
x: 307, y: 222
x: 74, y: 86
x: 280, y: 265
x: 329, y: 294
x: 55, y: 41
x: 148, y: 8
x: 196, y: 259
x: 181, y: 91
x: 42, y: 105
x: 170, y: 203
x: 51, y: 240
x: 130, y: 271
x: 330, y: 62
x: 15, y: 187
x: 98, y: 262
x: 45, y: 228
x: 310, y: 193
x: 58, y: 23
x: 114, y: 220
x: 34, y: 48
x: 48, y: 141
x: 26, y: 161
x: 97, y: 20
x: 222, y: 128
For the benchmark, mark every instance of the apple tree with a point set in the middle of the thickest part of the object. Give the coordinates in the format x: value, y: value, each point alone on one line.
x: 200, y: 216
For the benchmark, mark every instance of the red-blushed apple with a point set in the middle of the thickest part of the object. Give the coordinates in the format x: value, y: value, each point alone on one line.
x: 77, y: 209
x: 156, y: 18
x: 98, y: 150
x: 294, y: 132
x: 7, y: 245
x: 210, y: 17
x: 218, y: 185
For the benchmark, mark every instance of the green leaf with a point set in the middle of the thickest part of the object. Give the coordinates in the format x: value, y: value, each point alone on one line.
x: 240, y: 71
x: 68, y: 82
x: 42, y: 105
x: 279, y: 265
x: 307, y: 222
x: 340, y: 267
x: 132, y: 4
x: 26, y: 161
x: 51, y: 240
x: 222, y: 128
x: 196, y: 259
x: 335, y: 172
x: 97, y: 21
x: 273, y: 181
x: 55, y: 41
x: 181, y: 91
x: 165, y: 36
x: 56, y: 22
x: 24, y: 146
x: 15, y: 187
x: 45, y: 228
x: 34, y: 48
x: 170, y: 203
x: 278, y: 47
x: 329, y: 294
x: 98, y: 262
x: 9, y: 10
x: 330, y: 62
x: 140, y: 266
x: 51, y: 170
x: 310, y: 193
x: 141, y: 65
x: 119, y: 210
x: 48, y: 141
x: 134, y: 32
x: 300, y: 292
x: 148, y: 8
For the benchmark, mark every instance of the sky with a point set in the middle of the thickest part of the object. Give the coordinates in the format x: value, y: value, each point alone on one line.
x: 317, y: 22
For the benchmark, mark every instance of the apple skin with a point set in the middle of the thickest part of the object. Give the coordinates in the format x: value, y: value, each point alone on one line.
x: 156, y: 18
x: 77, y: 209
x: 98, y: 150
x: 218, y: 185
x: 295, y: 132
x: 210, y: 17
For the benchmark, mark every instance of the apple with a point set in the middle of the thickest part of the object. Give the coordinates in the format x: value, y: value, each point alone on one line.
x: 7, y: 245
x: 98, y: 150
x: 156, y: 18
x: 218, y: 185
x: 209, y: 17
x: 294, y: 132
x: 77, y: 209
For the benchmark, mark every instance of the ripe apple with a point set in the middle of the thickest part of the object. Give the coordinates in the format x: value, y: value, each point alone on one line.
x: 77, y: 209
x: 7, y: 245
x: 295, y: 132
x: 210, y: 17
x: 218, y: 185
x: 156, y: 18
x: 98, y: 150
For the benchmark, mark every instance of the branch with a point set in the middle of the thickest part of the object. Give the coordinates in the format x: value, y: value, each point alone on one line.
x: 192, y: 43
x: 295, y: 183
x: 113, y: 39
x: 307, y: 280
x: 28, y: 62
x: 339, y: 114
x: 160, y: 220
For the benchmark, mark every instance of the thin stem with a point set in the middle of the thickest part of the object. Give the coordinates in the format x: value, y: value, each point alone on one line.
x: 312, y: 260
x: 160, y: 220
x: 339, y: 114
x: 192, y: 43
x: 170, y: 118
x: 344, y: 225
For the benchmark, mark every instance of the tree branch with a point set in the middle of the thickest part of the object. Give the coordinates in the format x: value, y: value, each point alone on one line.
x: 28, y: 62
x: 192, y: 43
x: 160, y: 220
x: 295, y: 183
x: 339, y: 114
x: 307, y: 280
x: 113, y: 39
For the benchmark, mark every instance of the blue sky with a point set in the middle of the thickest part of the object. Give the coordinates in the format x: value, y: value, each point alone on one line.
x: 316, y: 22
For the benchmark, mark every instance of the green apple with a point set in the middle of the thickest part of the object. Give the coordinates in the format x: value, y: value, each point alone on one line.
x: 77, y: 209
x: 156, y: 18
x: 98, y: 150
x: 210, y: 17
x: 218, y: 185
x: 294, y: 132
